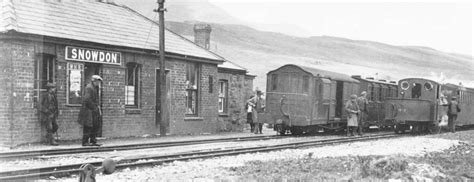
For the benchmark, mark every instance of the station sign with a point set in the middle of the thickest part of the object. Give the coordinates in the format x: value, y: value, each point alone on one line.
x: 93, y: 55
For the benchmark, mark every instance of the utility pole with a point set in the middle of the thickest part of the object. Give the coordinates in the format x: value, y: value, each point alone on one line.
x: 163, y: 106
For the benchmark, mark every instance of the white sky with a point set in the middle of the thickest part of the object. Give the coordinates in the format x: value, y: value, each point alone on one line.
x: 442, y: 25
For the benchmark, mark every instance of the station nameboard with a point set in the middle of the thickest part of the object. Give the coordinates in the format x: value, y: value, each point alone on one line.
x: 93, y: 55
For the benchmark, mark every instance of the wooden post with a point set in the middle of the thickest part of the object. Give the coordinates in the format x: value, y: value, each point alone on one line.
x: 163, y: 106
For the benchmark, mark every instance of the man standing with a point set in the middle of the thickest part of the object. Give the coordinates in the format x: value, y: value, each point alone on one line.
x: 352, y: 110
x: 259, y: 102
x: 249, y: 106
x: 362, y: 102
x: 90, y: 112
x: 453, y: 109
x: 49, y: 113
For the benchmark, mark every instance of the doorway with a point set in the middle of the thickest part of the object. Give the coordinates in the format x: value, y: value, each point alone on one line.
x: 339, y: 98
x: 89, y: 70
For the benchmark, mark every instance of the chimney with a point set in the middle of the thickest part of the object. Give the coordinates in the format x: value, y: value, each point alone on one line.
x: 356, y: 76
x: 202, y: 35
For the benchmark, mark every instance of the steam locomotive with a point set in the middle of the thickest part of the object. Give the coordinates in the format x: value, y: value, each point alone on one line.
x: 302, y: 100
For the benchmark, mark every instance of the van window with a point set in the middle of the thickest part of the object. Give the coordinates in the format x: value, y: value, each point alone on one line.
x: 274, y: 82
x: 305, y: 84
x: 416, y: 91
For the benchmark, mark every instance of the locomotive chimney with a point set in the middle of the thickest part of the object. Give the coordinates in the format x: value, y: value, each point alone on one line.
x: 356, y: 76
x: 202, y: 35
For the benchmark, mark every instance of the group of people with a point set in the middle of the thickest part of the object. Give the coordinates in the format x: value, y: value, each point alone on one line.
x: 89, y: 115
x: 357, y: 111
x: 255, y: 106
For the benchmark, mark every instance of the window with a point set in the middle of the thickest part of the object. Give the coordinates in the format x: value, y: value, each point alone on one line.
x: 416, y: 91
x: 305, y: 84
x: 223, y: 86
x: 274, y: 81
x: 132, y: 85
x: 192, y: 86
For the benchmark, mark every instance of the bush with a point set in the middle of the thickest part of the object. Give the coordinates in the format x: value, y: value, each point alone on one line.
x: 382, y: 167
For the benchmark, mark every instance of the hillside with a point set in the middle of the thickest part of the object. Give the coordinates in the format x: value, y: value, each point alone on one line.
x: 261, y: 52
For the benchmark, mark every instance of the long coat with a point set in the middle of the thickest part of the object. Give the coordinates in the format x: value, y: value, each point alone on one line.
x: 352, y: 109
x: 49, y: 107
x: 89, y: 113
x: 362, y: 102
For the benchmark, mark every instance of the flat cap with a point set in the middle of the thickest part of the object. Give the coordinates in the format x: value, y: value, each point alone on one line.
x: 50, y: 85
x: 96, y: 77
x: 353, y: 96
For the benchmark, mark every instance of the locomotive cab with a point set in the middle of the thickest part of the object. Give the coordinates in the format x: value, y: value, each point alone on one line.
x: 416, y: 106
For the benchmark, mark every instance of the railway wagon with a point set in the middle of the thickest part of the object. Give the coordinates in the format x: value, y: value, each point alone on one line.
x: 422, y: 104
x: 378, y: 91
x: 302, y: 99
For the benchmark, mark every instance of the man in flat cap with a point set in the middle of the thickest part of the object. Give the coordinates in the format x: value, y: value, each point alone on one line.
x: 362, y: 102
x: 90, y: 112
x: 259, y: 108
x: 49, y: 112
x: 352, y: 110
x: 453, y: 109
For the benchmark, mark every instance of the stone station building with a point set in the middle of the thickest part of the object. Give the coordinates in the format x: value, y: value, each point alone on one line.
x: 66, y: 42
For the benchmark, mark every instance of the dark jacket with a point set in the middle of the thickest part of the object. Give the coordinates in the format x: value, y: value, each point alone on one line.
x: 49, y: 107
x: 362, y: 102
x: 453, y: 108
x: 90, y: 106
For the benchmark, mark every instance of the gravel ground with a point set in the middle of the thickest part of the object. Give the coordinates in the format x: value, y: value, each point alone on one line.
x: 410, y: 158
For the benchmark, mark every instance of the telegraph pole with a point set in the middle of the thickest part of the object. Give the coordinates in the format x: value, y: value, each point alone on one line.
x: 163, y: 106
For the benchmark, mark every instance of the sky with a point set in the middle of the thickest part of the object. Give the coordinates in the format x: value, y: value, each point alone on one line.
x: 443, y: 25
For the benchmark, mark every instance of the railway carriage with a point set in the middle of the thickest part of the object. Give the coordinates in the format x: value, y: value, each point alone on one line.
x: 378, y: 91
x: 421, y: 104
x: 302, y: 99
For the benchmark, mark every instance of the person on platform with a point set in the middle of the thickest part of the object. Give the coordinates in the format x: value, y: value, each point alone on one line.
x: 352, y: 110
x: 49, y: 113
x: 453, y: 110
x: 90, y: 112
x: 259, y: 108
x: 362, y: 102
x: 249, y: 107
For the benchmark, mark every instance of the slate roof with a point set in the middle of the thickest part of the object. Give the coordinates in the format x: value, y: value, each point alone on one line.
x: 104, y: 23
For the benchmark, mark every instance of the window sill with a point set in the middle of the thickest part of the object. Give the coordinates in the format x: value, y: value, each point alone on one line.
x: 133, y: 111
x: 73, y: 105
x: 223, y: 115
x: 193, y: 118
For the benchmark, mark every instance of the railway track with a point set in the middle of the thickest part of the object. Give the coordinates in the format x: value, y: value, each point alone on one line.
x: 49, y: 152
x: 151, y: 160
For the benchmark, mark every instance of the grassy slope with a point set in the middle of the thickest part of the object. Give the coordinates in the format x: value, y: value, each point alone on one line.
x: 260, y: 52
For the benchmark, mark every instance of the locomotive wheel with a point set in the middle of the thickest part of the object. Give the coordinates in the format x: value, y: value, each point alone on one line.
x: 280, y: 130
x: 434, y: 128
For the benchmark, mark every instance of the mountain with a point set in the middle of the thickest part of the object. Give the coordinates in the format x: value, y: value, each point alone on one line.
x: 182, y: 10
x: 261, y: 51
